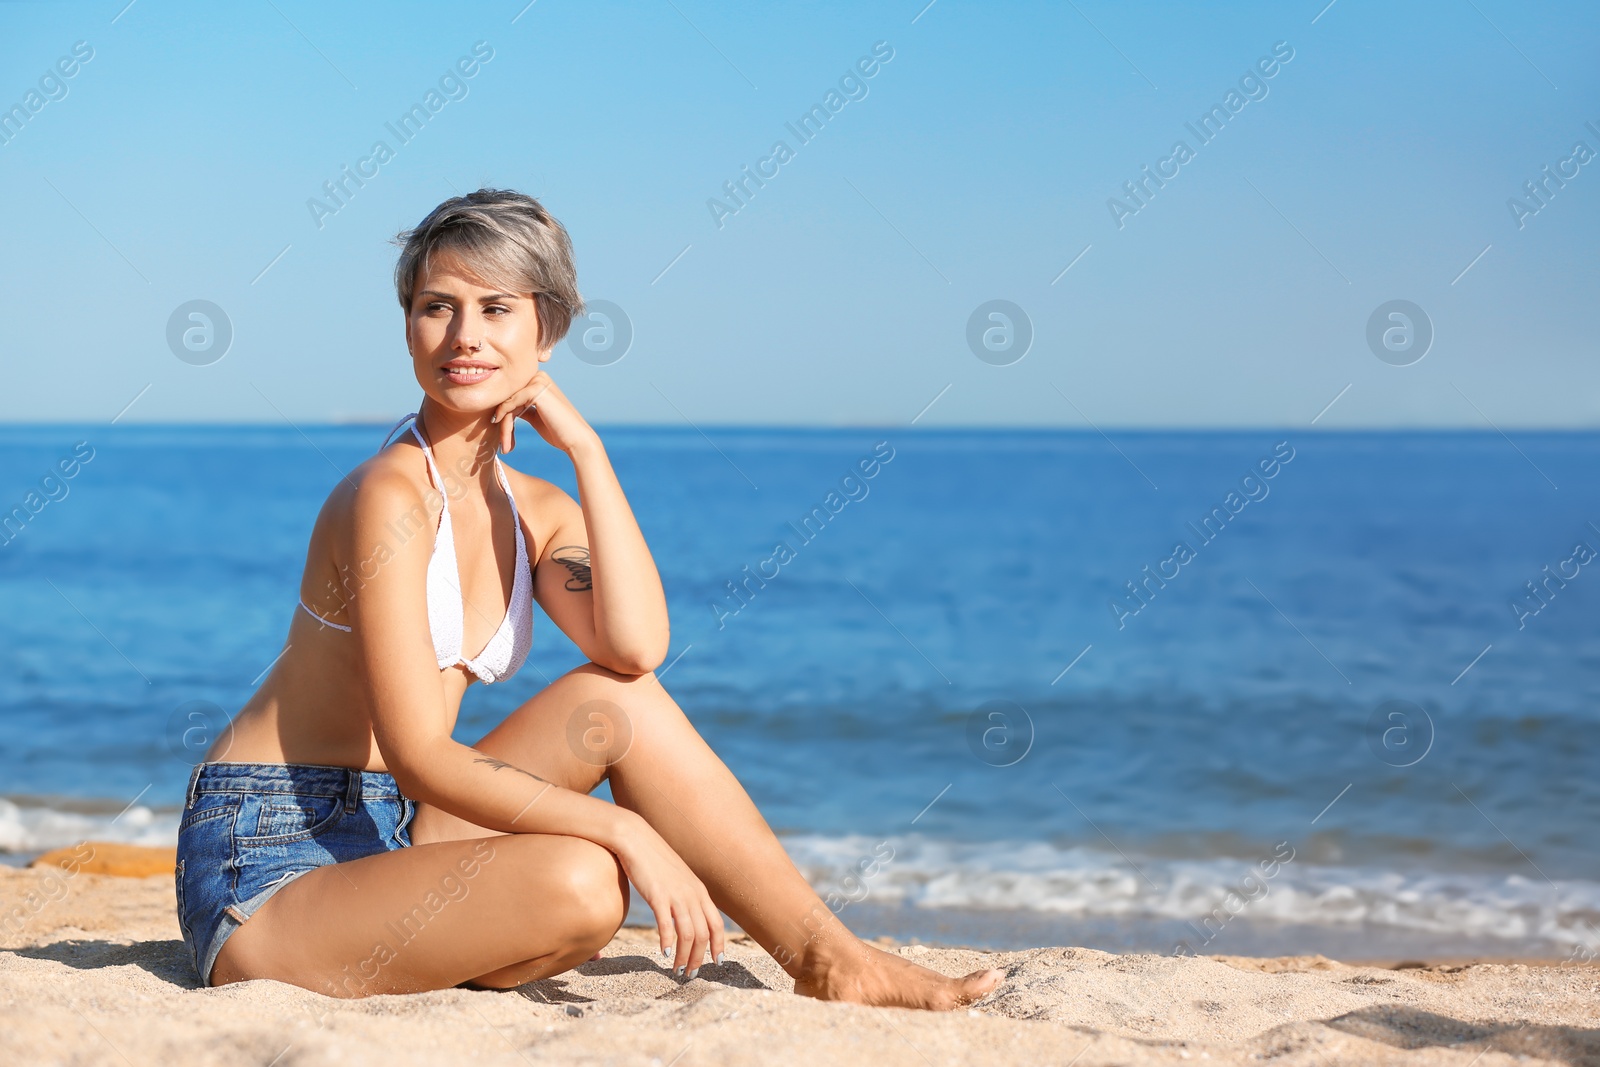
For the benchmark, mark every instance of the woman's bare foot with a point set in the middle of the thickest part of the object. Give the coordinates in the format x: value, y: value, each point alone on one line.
x: 862, y: 974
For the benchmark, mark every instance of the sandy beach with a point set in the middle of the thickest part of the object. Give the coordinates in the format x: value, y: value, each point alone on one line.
x: 92, y: 970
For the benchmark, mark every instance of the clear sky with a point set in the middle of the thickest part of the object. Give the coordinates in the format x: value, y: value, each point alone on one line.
x: 977, y: 162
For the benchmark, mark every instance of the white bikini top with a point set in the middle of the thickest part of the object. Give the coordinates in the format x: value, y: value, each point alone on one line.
x: 509, y: 646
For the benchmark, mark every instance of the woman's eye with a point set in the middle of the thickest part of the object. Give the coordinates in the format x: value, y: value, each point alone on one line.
x: 497, y: 307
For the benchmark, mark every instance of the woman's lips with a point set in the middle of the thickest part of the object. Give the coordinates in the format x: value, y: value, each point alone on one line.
x: 467, y: 373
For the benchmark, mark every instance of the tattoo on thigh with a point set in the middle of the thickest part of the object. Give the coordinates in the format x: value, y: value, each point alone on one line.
x: 576, y: 560
x: 499, y: 764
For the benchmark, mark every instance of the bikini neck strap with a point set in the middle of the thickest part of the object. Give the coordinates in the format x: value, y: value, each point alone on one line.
x: 415, y: 418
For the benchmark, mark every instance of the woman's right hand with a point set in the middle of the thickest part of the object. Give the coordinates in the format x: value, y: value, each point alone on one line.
x: 547, y: 409
x: 688, y: 922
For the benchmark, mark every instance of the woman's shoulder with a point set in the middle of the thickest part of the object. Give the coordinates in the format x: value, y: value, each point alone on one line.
x: 382, y: 483
x: 544, y: 506
x: 371, y: 513
x: 528, y: 487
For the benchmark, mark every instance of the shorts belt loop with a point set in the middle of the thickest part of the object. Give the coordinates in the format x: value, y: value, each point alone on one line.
x: 352, y: 789
x: 188, y: 793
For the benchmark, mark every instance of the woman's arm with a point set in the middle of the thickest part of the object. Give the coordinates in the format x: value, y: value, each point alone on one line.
x: 411, y: 723
x: 596, y: 579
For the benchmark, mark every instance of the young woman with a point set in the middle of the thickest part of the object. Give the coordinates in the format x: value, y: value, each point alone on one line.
x: 336, y: 836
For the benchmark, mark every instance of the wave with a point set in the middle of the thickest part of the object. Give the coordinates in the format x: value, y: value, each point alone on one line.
x: 1205, y: 894
x: 39, y: 828
x: 1075, y: 881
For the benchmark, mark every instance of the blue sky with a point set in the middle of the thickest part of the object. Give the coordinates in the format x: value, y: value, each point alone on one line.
x: 974, y: 165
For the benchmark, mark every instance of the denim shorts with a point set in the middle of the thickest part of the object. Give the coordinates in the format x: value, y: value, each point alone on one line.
x: 249, y: 829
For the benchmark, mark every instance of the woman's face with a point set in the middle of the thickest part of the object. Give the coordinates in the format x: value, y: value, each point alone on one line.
x: 472, y: 345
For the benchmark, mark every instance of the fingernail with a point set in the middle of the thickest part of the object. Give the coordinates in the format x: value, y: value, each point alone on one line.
x: 694, y: 972
x: 667, y: 952
x: 721, y: 956
x: 679, y: 972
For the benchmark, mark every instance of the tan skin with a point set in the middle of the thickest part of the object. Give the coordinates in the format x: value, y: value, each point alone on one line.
x: 554, y: 891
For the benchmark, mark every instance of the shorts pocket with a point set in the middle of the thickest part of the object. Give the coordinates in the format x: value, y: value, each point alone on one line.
x: 206, y: 809
x: 183, y: 919
x: 284, y: 818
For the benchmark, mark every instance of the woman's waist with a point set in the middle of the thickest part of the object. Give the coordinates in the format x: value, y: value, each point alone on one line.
x: 299, y: 779
x: 296, y: 718
x: 279, y: 726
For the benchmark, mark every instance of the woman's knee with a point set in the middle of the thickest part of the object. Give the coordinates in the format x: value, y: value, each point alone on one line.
x: 579, y: 881
x: 609, y: 709
x: 594, y: 888
x: 582, y: 901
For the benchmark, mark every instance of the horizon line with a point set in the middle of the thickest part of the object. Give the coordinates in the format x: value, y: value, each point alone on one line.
x: 973, y: 427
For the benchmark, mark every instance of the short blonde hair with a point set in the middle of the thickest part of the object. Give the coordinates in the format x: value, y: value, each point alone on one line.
x: 507, y: 239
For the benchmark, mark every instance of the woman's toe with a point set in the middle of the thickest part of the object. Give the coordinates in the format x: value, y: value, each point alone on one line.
x: 979, y: 984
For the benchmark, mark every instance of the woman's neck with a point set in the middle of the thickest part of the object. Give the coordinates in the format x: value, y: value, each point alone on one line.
x: 463, y: 445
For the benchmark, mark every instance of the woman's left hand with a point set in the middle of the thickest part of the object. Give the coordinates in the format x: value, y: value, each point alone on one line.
x: 547, y: 410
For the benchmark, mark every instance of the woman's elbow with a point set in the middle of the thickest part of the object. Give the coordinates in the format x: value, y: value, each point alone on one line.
x: 639, y: 660
x: 407, y: 766
x: 409, y: 781
x: 630, y: 665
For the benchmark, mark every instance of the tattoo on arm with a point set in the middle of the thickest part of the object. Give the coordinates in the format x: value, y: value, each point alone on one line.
x: 501, y: 764
x: 576, y: 559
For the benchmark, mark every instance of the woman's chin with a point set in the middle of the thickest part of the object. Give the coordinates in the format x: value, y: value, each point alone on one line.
x: 478, y: 399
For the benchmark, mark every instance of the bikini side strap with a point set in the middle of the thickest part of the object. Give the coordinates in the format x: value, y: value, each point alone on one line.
x: 394, y: 430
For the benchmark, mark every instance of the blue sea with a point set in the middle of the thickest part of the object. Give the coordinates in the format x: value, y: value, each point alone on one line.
x: 1235, y: 692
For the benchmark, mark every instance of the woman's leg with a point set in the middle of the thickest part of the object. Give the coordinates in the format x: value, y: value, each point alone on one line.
x: 497, y: 910
x: 592, y: 723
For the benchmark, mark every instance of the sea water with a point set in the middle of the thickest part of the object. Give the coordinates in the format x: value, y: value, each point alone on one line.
x: 1279, y: 691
